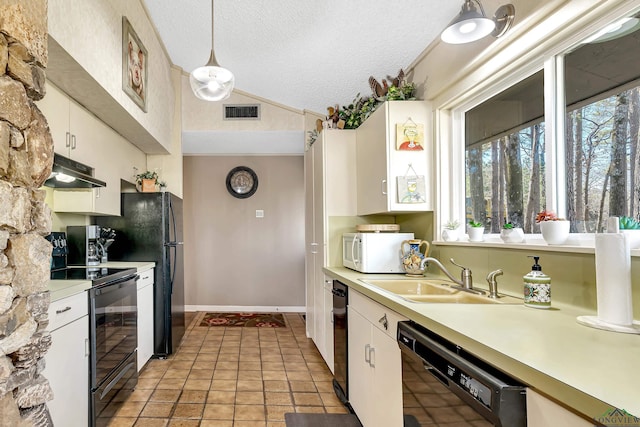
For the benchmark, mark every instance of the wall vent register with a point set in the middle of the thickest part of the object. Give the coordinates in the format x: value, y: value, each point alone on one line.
x: 242, y: 112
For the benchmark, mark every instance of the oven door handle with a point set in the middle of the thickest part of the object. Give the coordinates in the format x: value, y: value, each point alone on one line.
x: 113, y: 382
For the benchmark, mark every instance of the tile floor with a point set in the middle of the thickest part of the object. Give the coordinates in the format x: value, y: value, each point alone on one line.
x: 232, y: 377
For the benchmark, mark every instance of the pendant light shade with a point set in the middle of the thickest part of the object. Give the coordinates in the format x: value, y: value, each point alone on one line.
x: 211, y: 82
x: 472, y: 24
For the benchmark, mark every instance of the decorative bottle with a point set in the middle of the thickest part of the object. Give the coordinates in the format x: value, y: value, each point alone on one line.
x: 537, y: 287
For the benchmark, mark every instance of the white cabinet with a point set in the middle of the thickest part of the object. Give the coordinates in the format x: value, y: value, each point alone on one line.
x: 81, y: 136
x: 329, y: 191
x: 145, y: 317
x: 323, y: 308
x: 375, y: 363
x: 542, y: 412
x: 71, y: 125
x: 328, y: 323
x: 380, y: 163
x: 67, y: 361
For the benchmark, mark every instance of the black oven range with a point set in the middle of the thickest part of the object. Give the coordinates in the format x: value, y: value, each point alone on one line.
x: 113, y: 340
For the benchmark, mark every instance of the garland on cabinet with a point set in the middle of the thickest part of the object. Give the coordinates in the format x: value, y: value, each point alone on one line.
x: 354, y: 114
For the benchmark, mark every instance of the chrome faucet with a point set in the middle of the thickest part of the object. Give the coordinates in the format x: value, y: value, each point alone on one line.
x: 466, y: 280
x: 493, y: 283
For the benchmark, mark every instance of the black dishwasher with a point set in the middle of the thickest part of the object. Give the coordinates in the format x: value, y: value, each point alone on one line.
x: 442, y: 384
x: 340, y: 299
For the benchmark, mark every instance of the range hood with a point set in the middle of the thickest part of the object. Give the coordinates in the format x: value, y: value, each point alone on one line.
x: 67, y: 173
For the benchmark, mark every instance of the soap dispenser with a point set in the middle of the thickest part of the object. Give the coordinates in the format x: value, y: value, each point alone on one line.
x: 537, y: 287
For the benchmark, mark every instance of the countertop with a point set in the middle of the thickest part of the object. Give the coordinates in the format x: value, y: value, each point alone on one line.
x: 65, y: 288
x: 586, y: 369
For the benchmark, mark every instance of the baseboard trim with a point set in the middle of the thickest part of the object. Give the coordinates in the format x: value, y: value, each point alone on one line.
x: 246, y: 309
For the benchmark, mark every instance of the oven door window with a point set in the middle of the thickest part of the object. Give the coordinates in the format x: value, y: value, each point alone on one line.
x: 115, y: 326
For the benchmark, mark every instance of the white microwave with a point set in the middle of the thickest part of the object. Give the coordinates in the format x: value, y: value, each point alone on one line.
x: 374, y: 252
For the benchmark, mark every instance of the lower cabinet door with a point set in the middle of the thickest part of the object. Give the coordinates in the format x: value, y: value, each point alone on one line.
x: 360, y: 371
x: 145, y: 325
x: 387, y: 387
x: 68, y: 373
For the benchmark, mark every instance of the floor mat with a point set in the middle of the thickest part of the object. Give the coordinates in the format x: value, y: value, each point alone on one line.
x: 321, y: 420
x: 259, y: 320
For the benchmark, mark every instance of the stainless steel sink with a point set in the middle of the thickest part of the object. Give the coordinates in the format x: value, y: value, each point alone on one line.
x: 434, y: 291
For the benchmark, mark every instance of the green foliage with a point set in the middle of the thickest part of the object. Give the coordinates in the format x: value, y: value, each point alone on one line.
x: 475, y: 224
x: 403, y: 93
x: 358, y: 111
x: 452, y: 225
x: 146, y: 175
x: 507, y: 226
x: 628, y: 223
x: 361, y: 108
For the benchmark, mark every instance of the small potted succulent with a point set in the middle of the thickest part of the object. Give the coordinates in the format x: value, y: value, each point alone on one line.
x: 630, y: 227
x: 555, y: 231
x: 476, y: 231
x: 511, y: 234
x: 146, y: 181
x: 451, y: 231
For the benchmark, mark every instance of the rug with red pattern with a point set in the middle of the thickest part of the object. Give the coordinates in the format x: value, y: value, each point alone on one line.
x: 258, y: 320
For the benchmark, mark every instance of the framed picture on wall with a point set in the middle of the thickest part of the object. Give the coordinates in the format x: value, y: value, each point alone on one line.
x: 134, y: 65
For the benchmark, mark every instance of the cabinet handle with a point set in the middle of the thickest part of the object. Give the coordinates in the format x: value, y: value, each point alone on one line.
x: 314, y: 249
x: 86, y: 347
x: 367, y: 354
x: 67, y: 308
x: 385, y: 323
x: 98, y: 193
x: 67, y: 140
x: 73, y: 142
x: 372, y: 357
x: 384, y: 186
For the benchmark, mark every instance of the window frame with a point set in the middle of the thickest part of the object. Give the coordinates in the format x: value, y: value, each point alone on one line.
x: 449, y: 126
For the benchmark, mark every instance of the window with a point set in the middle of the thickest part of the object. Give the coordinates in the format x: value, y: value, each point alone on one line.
x: 504, y: 157
x: 602, y: 90
x: 505, y: 174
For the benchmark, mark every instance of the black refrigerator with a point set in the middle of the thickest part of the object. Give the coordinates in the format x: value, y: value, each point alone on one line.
x: 150, y: 229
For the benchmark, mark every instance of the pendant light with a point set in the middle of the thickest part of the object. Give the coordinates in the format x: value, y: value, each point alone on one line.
x: 211, y: 82
x: 471, y: 25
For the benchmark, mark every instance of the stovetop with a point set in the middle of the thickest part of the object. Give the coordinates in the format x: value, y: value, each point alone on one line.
x: 98, y: 275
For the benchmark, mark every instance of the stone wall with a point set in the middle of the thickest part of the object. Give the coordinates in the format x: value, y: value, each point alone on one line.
x: 26, y: 158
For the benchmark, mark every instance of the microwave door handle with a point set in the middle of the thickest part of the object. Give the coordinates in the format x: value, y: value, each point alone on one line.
x: 356, y: 261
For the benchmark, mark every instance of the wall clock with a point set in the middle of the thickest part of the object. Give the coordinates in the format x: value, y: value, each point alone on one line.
x: 242, y: 182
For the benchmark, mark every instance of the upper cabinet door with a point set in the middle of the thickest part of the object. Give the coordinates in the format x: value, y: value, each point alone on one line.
x: 372, y: 163
x: 394, y: 159
x: 55, y: 107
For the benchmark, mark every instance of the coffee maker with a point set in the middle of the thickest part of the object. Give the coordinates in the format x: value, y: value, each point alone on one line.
x: 83, y: 244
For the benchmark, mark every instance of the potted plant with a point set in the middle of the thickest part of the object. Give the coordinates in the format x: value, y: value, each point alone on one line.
x: 146, y: 181
x: 511, y: 233
x: 555, y: 231
x: 451, y: 231
x: 630, y: 227
x: 476, y: 231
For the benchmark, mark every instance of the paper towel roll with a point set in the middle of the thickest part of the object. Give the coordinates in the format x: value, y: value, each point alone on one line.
x: 613, y: 279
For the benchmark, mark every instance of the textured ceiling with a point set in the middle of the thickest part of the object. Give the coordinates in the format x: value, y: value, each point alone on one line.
x: 306, y: 54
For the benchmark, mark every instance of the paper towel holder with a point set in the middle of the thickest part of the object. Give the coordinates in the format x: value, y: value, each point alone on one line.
x: 594, y: 322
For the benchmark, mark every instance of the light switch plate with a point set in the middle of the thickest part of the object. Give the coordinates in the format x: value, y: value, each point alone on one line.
x: 259, y: 213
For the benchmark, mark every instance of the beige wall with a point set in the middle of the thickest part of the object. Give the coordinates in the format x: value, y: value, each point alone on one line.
x: 232, y: 258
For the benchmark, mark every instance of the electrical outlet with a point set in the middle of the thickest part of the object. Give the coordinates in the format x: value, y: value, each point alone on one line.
x: 259, y: 213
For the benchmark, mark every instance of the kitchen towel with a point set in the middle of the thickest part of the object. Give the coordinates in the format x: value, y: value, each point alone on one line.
x: 613, y: 284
